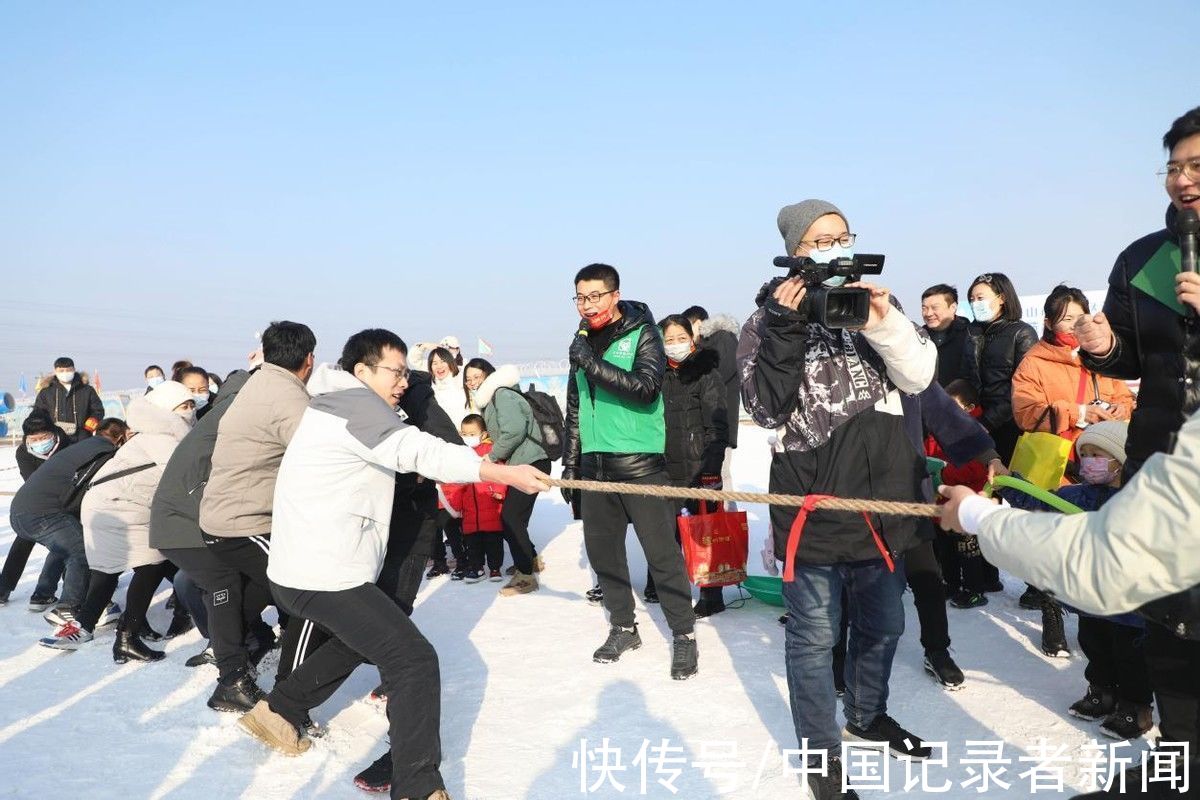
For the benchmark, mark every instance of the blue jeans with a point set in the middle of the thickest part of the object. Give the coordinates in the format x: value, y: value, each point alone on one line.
x: 62, y: 535
x: 814, y: 603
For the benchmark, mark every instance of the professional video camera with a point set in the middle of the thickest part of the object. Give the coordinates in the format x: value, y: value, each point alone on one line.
x: 834, y: 306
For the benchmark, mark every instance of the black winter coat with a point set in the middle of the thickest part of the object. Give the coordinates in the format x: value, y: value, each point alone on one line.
x: 175, y: 509
x: 422, y: 411
x: 1149, y: 346
x: 720, y: 334
x: 46, y: 490
x: 994, y: 352
x: 642, y: 384
x: 953, y: 347
x: 74, y: 405
x: 27, y: 462
x: 696, y: 410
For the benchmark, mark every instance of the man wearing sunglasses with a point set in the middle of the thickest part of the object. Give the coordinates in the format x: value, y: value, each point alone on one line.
x: 1148, y: 331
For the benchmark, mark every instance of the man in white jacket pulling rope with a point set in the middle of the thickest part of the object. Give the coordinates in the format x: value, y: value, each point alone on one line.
x: 333, y: 502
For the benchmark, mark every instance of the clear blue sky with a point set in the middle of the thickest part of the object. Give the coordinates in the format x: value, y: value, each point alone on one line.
x: 176, y: 175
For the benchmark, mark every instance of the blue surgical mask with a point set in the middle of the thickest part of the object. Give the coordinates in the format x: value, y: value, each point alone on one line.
x: 43, y: 448
x: 827, y: 257
x: 155, y: 381
x: 201, y: 400
x: 983, y: 311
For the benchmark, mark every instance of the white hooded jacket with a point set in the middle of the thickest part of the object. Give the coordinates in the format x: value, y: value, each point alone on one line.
x: 333, y: 496
x: 116, y: 513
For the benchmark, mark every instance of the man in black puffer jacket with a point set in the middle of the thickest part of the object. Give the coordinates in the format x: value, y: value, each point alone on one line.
x: 1148, y: 331
x: 615, y: 431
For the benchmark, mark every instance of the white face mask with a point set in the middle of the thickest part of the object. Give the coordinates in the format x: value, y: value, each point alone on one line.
x: 155, y: 381
x: 679, y: 351
x: 201, y: 400
x: 189, y: 416
x: 213, y: 388
x: 983, y: 311
x: 472, y: 441
x: 65, y: 377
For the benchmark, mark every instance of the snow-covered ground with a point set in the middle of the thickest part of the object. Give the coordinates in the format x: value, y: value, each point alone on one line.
x: 522, y: 699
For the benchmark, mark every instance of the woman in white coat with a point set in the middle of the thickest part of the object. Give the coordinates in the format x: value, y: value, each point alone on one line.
x: 447, y: 386
x: 116, y: 522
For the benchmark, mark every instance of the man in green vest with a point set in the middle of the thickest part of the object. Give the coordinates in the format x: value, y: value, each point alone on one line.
x: 615, y: 432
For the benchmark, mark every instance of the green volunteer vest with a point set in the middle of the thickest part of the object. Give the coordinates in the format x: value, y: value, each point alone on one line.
x: 611, y: 424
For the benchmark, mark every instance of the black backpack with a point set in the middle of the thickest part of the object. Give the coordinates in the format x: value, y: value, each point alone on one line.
x: 548, y: 415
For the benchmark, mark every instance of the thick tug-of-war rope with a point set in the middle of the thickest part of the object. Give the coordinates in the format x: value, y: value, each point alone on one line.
x: 720, y: 495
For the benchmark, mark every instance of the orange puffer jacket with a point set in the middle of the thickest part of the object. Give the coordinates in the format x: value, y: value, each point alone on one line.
x: 1050, y: 377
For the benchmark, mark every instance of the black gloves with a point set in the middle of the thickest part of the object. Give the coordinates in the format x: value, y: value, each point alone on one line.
x: 581, y: 353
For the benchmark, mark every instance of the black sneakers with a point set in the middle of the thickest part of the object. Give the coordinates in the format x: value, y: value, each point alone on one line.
x: 829, y: 785
x: 38, y: 602
x: 885, y: 729
x: 376, y: 778
x: 1130, y: 721
x: 685, y: 656
x: 595, y: 595
x: 237, y: 697
x: 965, y: 598
x: 438, y: 569
x: 941, y: 666
x: 650, y: 595
x: 618, y: 642
x: 1096, y: 704
x: 1054, y: 637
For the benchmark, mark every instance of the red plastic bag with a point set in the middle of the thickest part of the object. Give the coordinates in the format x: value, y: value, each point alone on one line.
x: 715, y: 546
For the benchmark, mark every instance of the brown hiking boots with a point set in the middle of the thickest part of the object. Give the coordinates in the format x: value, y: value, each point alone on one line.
x: 273, y: 730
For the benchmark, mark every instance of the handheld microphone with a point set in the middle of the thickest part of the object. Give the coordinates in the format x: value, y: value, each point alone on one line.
x: 1189, y: 227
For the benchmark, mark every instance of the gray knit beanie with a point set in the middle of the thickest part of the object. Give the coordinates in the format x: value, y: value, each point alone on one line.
x: 795, y: 219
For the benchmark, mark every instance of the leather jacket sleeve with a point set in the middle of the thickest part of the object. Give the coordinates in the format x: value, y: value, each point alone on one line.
x: 571, y: 445
x: 643, y: 383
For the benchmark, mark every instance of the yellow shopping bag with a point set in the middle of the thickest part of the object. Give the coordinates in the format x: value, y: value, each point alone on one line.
x: 1041, y: 458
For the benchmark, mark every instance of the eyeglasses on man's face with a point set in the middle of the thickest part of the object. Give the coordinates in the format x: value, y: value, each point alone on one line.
x: 1190, y: 169
x: 593, y: 298
x: 398, y: 375
x: 824, y: 243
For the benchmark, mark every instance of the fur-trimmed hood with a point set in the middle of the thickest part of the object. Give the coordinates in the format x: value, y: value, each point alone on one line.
x: 506, y: 376
x: 721, y: 322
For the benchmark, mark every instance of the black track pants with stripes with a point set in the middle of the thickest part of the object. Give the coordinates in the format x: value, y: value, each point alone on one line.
x: 248, y: 555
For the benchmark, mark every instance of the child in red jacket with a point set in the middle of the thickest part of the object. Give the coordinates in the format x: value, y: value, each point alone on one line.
x: 962, y: 563
x: 478, y: 505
